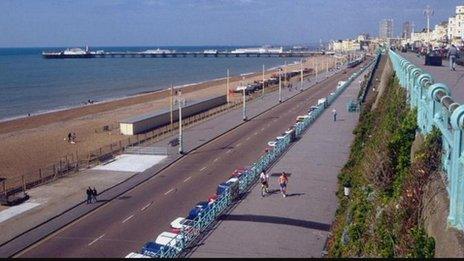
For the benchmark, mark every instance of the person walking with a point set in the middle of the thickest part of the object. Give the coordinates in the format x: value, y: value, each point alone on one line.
x: 334, y: 112
x: 283, y: 180
x: 69, y: 136
x: 452, y: 54
x: 94, y: 194
x: 89, y: 195
x: 264, y: 179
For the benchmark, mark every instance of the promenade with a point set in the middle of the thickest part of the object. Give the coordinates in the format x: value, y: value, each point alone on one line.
x: 298, y: 225
x: 442, y: 74
x: 58, y: 197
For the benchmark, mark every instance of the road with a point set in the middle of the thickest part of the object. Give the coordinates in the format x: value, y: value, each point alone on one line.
x: 124, y: 224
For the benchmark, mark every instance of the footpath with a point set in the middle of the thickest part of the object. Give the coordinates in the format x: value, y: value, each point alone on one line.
x: 297, y: 225
x: 442, y: 74
x: 58, y: 203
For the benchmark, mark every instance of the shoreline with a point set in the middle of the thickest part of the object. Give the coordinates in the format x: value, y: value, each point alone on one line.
x: 113, y: 102
x: 34, y: 144
x: 129, y: 96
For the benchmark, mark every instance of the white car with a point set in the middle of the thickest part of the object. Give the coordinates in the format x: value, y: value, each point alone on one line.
x: 136, y: 255
x: 181, y: 223
x: 301, y: 118
x: 272, y: 143
x: 168, y: 239
x: 321, y: 101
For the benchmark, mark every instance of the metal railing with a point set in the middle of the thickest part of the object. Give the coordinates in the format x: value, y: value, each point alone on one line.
x: 186, y: 238
x: 436, y: 107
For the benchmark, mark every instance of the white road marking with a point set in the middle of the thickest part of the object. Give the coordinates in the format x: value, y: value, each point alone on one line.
x: 238, y: 144
x: 171, y: 190
x: 262, y: 129
x: 129, y: 217
x: 256, y: 133
x: 248, y: 138
x: 202, y: 168
x: 229, y: 151
x: 216, y: 159
x: 187, y: 179
x: 146, y: 206
x: 91, y: 243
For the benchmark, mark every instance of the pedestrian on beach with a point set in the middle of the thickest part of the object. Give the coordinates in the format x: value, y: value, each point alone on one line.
x: 452, y: 54
x: 283, y: 180
x: 334, y: 112
x: 94, y: 194
x: 69, y: 136
x: 73, y: 137
x: 89, y: 195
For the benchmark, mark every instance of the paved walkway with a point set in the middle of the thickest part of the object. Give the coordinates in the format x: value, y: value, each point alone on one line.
x: 298, y: 225
x: 65, y: 197
x: 453, y: 79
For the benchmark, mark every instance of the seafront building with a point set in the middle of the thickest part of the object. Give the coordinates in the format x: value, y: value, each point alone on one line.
x: 386, y: 29
x: 450, y: 31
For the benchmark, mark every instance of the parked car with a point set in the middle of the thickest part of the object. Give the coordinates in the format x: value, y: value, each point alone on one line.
x: 136, y: 255
x: 301, y: 118
x: 272, y: 143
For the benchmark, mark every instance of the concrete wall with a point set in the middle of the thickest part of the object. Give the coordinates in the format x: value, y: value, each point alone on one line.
x: 148, y: 122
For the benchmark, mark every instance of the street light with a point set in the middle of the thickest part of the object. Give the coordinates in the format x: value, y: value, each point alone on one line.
x: 301, y: 71
x: 263, y: 82
x: 243, y: 88
x: 280, y: 84
x: 428, y: 12
x: 180, y: 101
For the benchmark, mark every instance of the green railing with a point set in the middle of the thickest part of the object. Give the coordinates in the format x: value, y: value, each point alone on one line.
x: 436, y: 108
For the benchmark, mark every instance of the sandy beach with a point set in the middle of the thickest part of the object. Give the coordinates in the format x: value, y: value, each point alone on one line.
x: 38, y: 141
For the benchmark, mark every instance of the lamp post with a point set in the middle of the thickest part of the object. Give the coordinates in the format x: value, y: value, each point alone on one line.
x: 316, y: 70
x: 227, y: 87
x: 243, y: 88
x: 280, y: 84
x: 428, y: 12
x: 263, y: 82
x: 301, y: 71
x: 180, y: 101
x: 172, y: 105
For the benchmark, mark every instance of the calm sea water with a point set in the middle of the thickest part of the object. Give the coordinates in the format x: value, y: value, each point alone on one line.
x: 31, y: 84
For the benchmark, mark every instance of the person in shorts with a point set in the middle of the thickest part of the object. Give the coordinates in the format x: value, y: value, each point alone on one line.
x: 264, y: 179
x: 283, y: 180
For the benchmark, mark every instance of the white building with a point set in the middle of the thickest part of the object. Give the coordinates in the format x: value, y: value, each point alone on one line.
x: 345, y: 45
x: 456, y: 26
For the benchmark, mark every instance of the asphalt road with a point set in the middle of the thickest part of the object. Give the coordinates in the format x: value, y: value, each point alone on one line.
x: 124, y: 224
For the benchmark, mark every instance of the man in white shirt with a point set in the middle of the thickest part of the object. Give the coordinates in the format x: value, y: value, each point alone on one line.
x: 264, y: 179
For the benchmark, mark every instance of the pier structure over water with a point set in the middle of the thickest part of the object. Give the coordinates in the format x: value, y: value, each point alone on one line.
x: 129, y: 54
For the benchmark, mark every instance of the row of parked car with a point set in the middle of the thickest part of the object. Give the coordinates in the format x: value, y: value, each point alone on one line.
x: 274, y: 79
x: 301, y: 118
x: 169, y: 239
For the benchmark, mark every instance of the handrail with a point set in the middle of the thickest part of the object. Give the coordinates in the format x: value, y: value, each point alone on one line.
x: 437, y: 108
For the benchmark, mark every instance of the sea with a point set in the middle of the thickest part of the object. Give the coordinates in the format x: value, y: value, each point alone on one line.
x: 30, y: 84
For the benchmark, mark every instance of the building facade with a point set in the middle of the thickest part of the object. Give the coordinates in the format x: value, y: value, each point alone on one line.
x: 407, y: 30
x: 386, y: 29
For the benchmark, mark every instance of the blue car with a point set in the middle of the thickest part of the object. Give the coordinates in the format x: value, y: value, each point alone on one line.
x: 151, y: 249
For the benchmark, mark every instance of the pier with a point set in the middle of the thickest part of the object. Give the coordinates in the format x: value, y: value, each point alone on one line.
x: 128, y: 54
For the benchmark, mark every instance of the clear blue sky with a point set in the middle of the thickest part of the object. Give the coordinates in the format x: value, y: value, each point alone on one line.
x: 26, y: 23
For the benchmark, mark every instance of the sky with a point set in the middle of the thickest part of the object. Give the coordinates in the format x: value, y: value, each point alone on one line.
x: 53, y: 23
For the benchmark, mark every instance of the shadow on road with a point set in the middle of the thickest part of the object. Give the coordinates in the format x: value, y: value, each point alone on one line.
x: 277, y: 220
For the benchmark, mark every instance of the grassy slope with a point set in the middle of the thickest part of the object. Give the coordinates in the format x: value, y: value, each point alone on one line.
x: 381, y: 217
